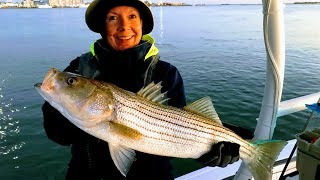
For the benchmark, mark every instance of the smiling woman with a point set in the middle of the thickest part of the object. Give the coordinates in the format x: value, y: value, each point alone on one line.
x: 127, y: 57
x: 123, y: 27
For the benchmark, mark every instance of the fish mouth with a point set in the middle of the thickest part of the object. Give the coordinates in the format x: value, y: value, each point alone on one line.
x: 37, y: 85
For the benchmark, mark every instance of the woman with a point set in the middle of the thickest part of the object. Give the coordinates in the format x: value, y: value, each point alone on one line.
x: 127, y: 57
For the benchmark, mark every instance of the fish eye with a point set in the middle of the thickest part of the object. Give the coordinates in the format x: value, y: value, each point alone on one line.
x: 71, y: 80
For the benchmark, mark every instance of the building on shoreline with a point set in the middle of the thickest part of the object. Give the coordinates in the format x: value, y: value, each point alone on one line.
x: 161, y: 3
x: 22, y: 4
x: 65, y: 3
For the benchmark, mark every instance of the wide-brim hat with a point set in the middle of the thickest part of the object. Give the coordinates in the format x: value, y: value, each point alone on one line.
x: 97, y: 10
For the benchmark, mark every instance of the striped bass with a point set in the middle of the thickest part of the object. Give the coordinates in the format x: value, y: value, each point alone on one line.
x: 140, y: 121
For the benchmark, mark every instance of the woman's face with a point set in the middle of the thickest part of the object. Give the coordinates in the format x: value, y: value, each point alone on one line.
x: 123, y: 27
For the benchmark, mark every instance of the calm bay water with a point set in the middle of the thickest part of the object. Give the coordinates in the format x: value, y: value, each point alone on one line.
x: 218, y: 49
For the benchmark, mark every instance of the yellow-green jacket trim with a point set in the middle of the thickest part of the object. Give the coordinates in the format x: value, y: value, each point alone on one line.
x: 152, y: 51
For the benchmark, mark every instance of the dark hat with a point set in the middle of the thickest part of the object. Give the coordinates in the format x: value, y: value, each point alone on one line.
x: 97, y: 10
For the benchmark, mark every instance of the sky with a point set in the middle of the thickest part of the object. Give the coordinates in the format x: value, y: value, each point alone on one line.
x: 233, y: 1
x: 208, y: 1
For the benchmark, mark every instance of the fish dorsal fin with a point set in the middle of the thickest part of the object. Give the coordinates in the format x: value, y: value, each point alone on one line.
x: 204, y: 107
x: 122, y: 157
x: 152, y: 92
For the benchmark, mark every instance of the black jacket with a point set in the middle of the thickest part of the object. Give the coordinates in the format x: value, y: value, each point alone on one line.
x: 128, y: 69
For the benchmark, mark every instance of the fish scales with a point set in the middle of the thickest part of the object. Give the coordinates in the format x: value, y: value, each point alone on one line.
x: 172, y: 125
x: 155, y: 130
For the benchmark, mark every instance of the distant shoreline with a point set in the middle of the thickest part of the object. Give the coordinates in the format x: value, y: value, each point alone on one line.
x: 306, y: 3
x: 2, y: 5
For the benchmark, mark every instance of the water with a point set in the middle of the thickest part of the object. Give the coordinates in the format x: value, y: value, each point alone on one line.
x: 219, y: 51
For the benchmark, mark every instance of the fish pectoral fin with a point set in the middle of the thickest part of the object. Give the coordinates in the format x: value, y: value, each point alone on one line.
x: 122, y: 157
x: 124, y: 131
x: 204, y: 107
x: 152, y: 92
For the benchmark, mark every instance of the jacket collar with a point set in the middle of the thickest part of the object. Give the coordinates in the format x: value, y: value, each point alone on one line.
x: 153, y: 50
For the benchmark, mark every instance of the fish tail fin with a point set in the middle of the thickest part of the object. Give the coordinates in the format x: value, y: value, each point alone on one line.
x: 261, y: 164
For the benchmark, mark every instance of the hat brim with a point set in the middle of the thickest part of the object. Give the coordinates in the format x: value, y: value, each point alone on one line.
x: 97, y: 10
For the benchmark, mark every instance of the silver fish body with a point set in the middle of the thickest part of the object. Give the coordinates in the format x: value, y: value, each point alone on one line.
x: 171, y: 131
x: 130, y: 121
